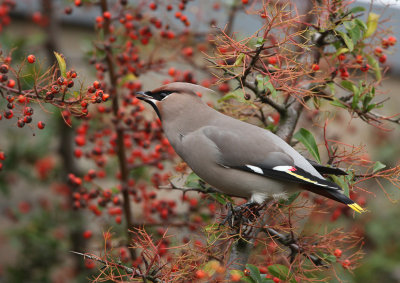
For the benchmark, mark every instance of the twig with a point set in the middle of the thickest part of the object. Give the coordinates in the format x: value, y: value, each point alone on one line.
x: 293, y: 246
x: 264, y: 99
x: 206, y: 190
x: 129, y: 270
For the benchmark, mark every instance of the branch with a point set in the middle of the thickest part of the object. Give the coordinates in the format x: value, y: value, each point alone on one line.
x: 120, y: 133
x: 205, y: 190
x: 264, y: 99
x: 129, y: 270
x: 292, y: 245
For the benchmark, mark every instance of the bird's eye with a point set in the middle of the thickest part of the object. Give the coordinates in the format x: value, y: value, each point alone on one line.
x: 161, y: 95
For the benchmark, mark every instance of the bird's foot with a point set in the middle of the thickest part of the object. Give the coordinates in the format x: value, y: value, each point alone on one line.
x: 241, y: 214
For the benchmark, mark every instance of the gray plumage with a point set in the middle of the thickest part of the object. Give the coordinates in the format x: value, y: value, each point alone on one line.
x: 235, y: 157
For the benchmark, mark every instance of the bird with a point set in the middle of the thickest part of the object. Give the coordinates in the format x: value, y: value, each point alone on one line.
x: 235, y: 157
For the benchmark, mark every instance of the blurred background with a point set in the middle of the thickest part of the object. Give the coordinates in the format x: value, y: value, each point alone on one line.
x: 35, y: 227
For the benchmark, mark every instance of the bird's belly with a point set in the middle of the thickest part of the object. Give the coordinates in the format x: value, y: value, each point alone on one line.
x: 243, y: 184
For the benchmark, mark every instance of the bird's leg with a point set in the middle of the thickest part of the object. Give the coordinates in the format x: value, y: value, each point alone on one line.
x: 236, y: 215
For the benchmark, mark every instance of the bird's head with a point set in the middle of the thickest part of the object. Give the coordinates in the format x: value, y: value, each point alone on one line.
x: 170, y: 98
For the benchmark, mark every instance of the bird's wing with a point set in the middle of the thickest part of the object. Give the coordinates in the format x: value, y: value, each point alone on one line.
x: 262, y: 158
x: 327, y: 170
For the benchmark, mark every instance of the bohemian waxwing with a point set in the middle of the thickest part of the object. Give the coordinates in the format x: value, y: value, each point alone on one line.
x: 236, y: 158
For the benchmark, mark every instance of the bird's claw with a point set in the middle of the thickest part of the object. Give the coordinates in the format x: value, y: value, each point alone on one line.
x: 244, y: 213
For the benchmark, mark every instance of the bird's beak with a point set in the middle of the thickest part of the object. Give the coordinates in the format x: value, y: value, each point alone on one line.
x: 144, y: 95
x: 147, y: 97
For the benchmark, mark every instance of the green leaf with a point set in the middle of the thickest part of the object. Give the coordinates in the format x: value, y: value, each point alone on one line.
x: 355, y: 33
x: 221, y: 198
x: 356, y: 99
x: 372, y: 24
x: 374, y: 65
x: 260, y: 41
x: 264, y: 83
x: 327, y: 257
x: 289, y: 200
x: 370, y: 107
x: 378, y: 166
x: 229, y: 95
x: 357, y: 9
x: 343, y: 184
x: 280, y: 271
x: 192, y: 181
x: 254, y: 273
x: 361, y: 24
x: 260, y: 82
x: 349, y: 25
x: 127, y: 78
x: 337, y: 103
x: 61, y: 64
x: 239, y: 59
x: 349, y: 42
x: 341, y: 51
x: 349, y: 85
x: 331, y: 86
x: 367, y: 99
x: 306, y: 138
x: 271, y: 89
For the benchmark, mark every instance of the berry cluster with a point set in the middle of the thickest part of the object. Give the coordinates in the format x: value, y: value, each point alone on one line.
x: 5, y: 7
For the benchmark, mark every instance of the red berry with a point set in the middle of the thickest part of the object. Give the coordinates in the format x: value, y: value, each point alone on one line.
x: 346, y: 263
x: 11, y: 83
x: 337, y: 253
x: 153, y: 6
x: 28, y: 111
x: 365, y: 68
x: 236, y: 277
x: 200, y: 274
x: 96, y: 84
x: 245, y: 1
x: 378, y: 51
x: 171, y: 71
x: 385, y: 43
x: 392, y: 40
x: 31, y: 58
x: 382, y: 58
x: 342, y: 57
x: 276, y: 279
x: 78, y: 3
x: 246, y: 272
x: 187, y: 51
x: 8, y: 114
x: 107, y: 15
x: 224, y: 87
x: 315, y: 67
x: 272, y: 60
x: 68, y: 10
x: 2, y: 155
x: 359, y: 59
x: 20, y: 123
x: 4, y: 68
x: 344, y: 74
x: 118, y: 219
x: 41, y: 125
x: 169, y: 7
x: 87, y: 234
x: 80, y: 140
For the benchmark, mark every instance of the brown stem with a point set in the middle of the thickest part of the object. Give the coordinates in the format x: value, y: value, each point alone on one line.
x: 65, y: 137
x: 120, y: 133
x: 231, y: 17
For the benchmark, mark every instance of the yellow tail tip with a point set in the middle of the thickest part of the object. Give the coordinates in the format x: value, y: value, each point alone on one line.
x: 356, y: 208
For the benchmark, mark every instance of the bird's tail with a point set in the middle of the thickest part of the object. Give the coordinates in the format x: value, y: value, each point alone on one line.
x: 337, y: 196
x: 346, y: 200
